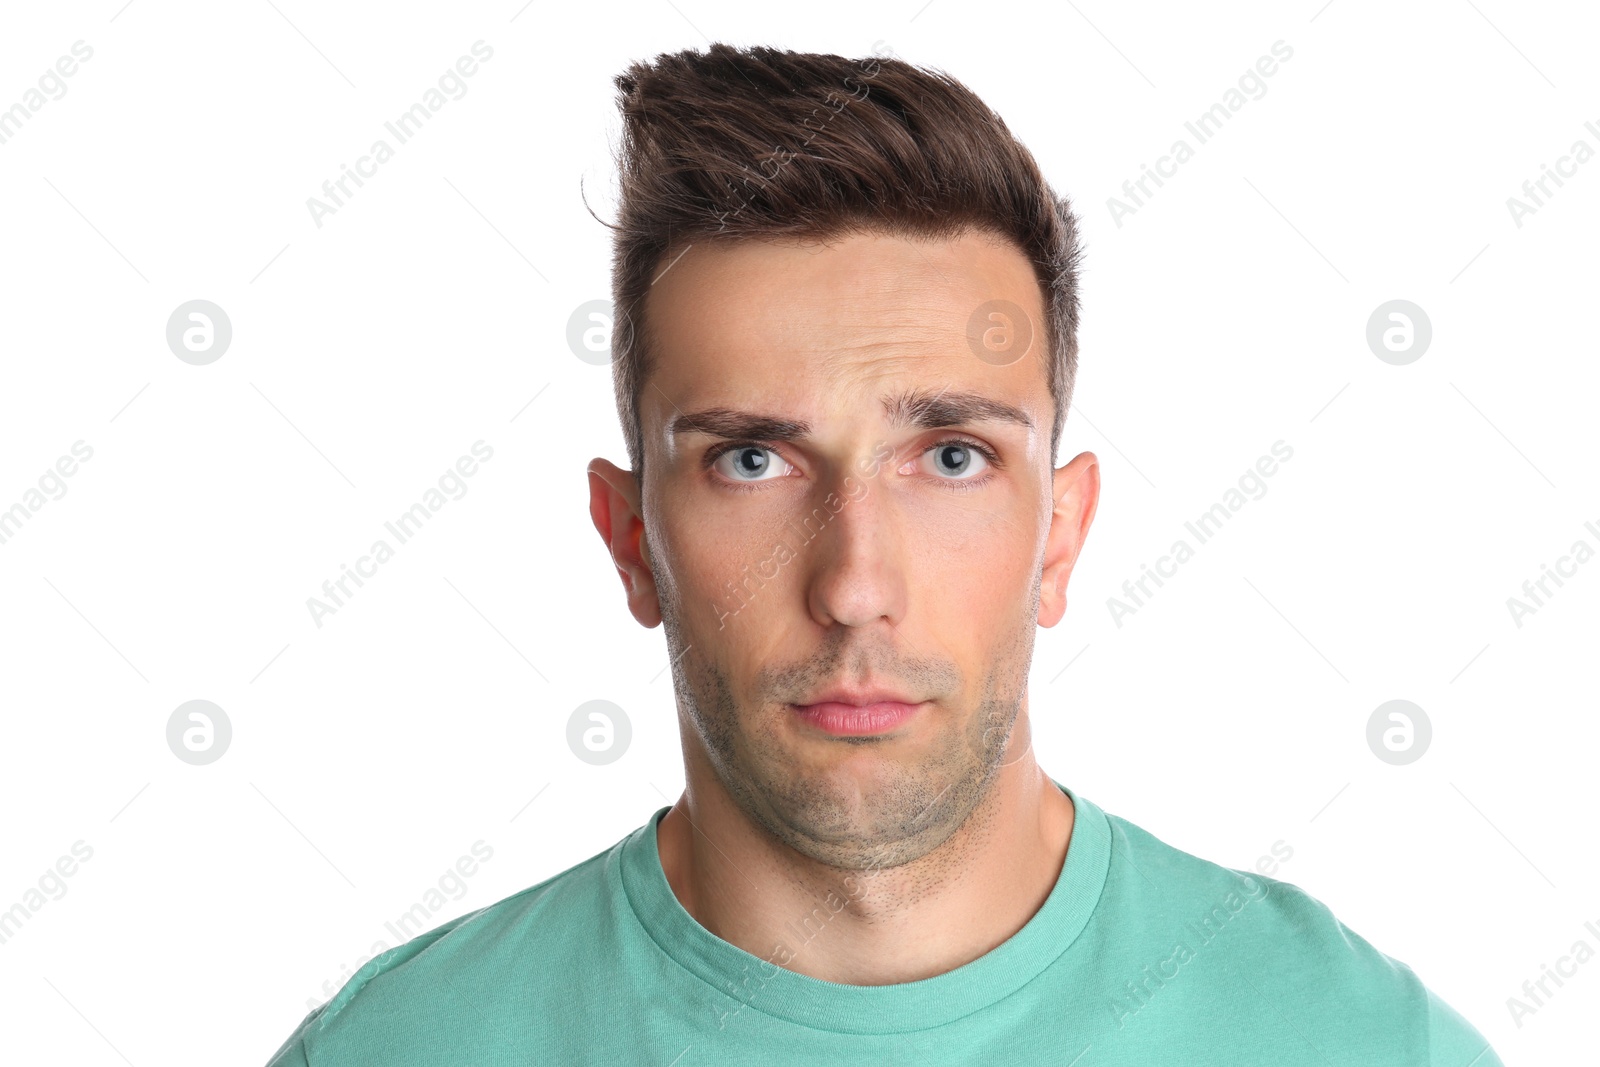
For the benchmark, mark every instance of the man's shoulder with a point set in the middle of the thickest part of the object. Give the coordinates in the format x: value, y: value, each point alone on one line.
x: 465, y: 957
x: 1261, y: 909
x: 1289, y: 943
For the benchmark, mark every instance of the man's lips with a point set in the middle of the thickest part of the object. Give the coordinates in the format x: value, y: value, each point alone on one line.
x: 854, y: 720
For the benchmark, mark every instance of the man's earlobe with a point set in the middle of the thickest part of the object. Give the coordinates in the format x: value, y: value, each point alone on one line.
x: 614, y: 507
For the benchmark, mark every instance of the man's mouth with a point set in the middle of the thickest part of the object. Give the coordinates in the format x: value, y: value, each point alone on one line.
x: 856, y: 715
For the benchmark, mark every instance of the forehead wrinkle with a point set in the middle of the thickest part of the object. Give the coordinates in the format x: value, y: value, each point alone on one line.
x: 843, y: 325
x: 903, y: 344
x: 900, y: 354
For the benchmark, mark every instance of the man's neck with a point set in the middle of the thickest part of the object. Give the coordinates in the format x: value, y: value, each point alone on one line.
x: 872, y: 927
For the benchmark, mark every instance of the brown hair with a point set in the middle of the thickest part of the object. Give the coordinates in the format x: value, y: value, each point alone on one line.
x: 760, y: 142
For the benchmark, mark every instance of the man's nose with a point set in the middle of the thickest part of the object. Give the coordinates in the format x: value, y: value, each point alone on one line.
x: 857, y: 567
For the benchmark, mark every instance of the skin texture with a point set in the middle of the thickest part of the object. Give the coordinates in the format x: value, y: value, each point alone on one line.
x: 866, y: 554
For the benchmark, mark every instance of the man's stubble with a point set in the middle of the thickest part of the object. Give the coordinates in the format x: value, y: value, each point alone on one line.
x: 905, y: 811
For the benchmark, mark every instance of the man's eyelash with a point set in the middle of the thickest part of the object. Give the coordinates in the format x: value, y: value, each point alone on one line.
x: 963, y: 442
x: 716, y: 451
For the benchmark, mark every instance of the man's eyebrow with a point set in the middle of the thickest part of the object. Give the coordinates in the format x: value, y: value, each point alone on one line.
x: 738, y: 425
x: 921, y: 408
x: 918, y: 407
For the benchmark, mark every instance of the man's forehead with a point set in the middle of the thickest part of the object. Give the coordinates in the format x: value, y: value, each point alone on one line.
x: 875, y: 319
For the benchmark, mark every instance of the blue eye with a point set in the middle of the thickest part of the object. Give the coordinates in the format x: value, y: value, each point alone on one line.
x: 957, y: 459
x: 751, y: 463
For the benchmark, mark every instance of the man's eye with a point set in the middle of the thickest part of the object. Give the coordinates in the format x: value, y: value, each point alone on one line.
x: 749, y: 463
x: 952, y: 459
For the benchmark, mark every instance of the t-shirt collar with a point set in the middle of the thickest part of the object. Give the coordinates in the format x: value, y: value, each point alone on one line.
x: 752, y: 983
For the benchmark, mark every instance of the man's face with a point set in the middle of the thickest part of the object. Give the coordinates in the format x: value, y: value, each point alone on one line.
x: 842, y: 498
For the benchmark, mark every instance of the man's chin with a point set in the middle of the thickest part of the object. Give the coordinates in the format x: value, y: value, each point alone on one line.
x: 850, y: 801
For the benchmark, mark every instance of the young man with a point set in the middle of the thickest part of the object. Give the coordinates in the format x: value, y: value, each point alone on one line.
x: 848, y: 314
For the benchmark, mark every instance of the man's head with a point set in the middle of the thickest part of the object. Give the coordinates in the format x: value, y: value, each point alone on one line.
x: 846, y: 308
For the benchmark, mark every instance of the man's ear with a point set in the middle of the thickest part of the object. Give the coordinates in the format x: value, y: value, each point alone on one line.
x: 614, y: 507
x: 1077, y: 493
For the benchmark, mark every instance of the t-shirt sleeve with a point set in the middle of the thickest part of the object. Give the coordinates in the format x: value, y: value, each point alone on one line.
x: 1454, y: 1042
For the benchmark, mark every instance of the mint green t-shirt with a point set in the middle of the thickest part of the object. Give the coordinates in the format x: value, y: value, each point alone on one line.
x: 1142, y: 954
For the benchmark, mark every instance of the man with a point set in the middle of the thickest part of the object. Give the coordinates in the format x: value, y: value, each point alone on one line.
x: 847, y: 306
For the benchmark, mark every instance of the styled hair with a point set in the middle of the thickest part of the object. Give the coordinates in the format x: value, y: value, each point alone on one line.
x: 765, y: 143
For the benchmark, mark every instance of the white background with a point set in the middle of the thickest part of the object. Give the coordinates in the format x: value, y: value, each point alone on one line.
x: 430, y: 312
